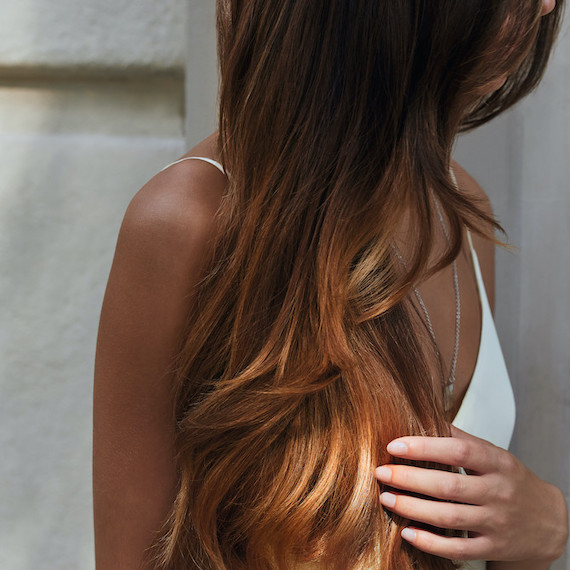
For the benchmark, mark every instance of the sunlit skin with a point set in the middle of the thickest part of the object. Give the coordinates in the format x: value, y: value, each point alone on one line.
x: 511, y: 515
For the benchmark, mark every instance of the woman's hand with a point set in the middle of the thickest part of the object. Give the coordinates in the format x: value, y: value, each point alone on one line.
x: 509, y: 512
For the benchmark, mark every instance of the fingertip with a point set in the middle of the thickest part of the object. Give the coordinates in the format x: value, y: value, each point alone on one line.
x: 397, y: 447
x: 409, y: 534
x: 388, y: 500
x: 383, y: 473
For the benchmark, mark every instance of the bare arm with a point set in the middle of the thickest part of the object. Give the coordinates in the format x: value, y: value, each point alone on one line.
x: 160, y: 251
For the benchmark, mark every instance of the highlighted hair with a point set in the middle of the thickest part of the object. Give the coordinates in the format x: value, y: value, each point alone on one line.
x: 301, y: 361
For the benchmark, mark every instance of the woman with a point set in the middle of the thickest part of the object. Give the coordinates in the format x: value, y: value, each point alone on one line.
x: 271, y: 325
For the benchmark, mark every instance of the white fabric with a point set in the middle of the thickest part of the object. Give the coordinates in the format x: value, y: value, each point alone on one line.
x: 488, y: 408
x: 216, y: 164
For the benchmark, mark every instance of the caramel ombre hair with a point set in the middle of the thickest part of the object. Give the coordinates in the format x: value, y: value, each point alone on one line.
x: 300, y: 360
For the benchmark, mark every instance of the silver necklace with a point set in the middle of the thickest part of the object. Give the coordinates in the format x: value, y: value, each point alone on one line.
x: 447, y: 385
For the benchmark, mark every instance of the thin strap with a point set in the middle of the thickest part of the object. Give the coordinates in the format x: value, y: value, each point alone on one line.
x: 477, y: 267
x: 474, y: 256
x: 213, y: 162
x: 470, y: 240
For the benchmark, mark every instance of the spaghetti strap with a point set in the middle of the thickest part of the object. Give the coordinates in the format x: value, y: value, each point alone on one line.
x: 470, y: 241
x: 474, y: 256
x: 213, y: 162
x: 476, y: 267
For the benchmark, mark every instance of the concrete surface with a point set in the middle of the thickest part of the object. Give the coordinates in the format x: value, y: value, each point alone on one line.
x: 64, y: 187
x: 107, y: 34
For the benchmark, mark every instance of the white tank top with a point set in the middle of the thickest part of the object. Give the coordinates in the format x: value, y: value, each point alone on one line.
x: 488, y: 407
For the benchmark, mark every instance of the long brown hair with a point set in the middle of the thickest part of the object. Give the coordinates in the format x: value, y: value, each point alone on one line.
x: 300, y: 361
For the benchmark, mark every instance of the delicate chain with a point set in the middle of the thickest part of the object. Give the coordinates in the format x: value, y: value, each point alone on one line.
x: 448, y: 387
x: 451, y: 380
x: 424, y: 309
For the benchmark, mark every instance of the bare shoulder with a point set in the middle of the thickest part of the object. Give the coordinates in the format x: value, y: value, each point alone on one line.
x: 161, y: 249
x: 177, y: 207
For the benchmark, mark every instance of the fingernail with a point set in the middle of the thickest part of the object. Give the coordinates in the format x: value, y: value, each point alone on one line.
x: 397, y: 448
x: 384, y: 474
x: 388, y: 499
x: 409, y: 534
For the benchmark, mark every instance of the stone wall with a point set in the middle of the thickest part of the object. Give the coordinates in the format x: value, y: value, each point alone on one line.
x: 91, y: 106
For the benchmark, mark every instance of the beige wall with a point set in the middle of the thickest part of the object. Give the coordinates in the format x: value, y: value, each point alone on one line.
x: 104, y: 35
x: 522, y: 160
x: 91, y: 106
x: 201, y: 72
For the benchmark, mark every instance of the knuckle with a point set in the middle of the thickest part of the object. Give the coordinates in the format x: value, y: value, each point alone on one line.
x: 503, y: 523
x: 499, y: 523
x: 499, y: 547
x: 427, y: 542
x: 503, y: 546
x: 460, y: 549
x: 421, y: 446
x: 506, y: 493
x: 481, y: 519
x: 452, y: 519
x: 486, y: 490
x: 487, y: 549
x: 461, y: 452
x: 454, y: 487
x: 506, y: 462
x: 400, y: 477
